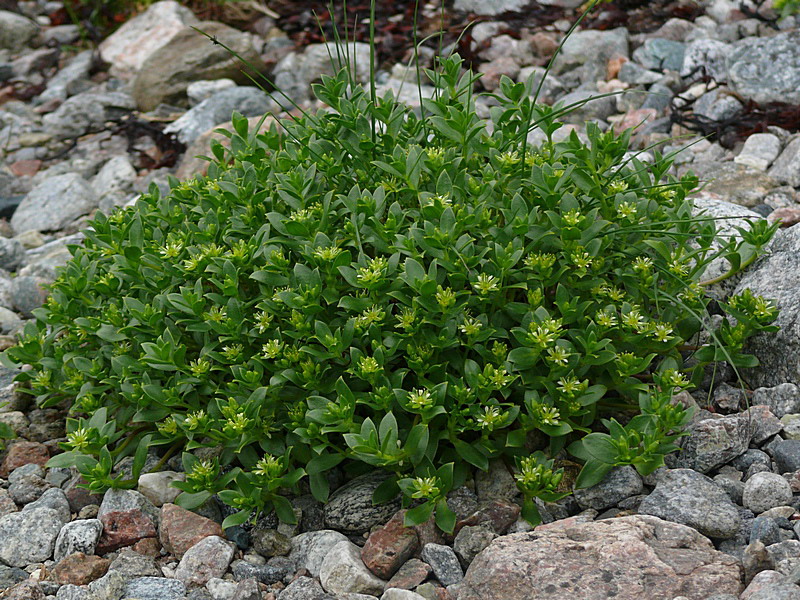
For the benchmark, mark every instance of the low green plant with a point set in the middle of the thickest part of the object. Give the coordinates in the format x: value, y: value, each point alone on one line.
x: 784, y: 8
x: 366, y: 289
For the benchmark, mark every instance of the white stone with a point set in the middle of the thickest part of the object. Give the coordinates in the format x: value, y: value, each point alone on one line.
x: 310, y: 549
x: 399, y: 594
x: 343, y: 571
x: 201, y: 90
x: 221, y: 589
x: 766, y: 490
x: 759, y: 151
x: 490, y: 7
x: 132, y: 44
x: 157, y: 487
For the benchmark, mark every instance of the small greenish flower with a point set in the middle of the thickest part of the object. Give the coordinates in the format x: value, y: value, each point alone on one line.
x: 272, y: 349
x: 486, y: 284
x: 572, y: 217
x: 328, y: 254
x: 368, y: 366
x: 263, y: 321
x: 605, y: 318
x: 538, y: 261
x: 471, y: 326
x: 558, y: 355
x: 617, y: 186
x: 445, y: 297
x: 508, y: 159
x: 268, y: 467
x: 373, y: 315
x: 491, y: 417
x: 633, y: 319
x: 203, y: 473
x: 570, y: 386
x: 407, y: 318
x: 191, y: 264
x: 662, y: 332
x: 626, y: 210
x: 499, y: 351
x: 237, y: 424
x: 373, y: 273
x: 79, y: 439
x: 581, y: 259
x: 216, y: 314
x: 233, y: 352
x: 643, y: 264
x: 536, y: 477
x: 425, y: 487
x: 200, y: 366
x: 420, y: 399
x: 168, y: 426
x: 197, y: 419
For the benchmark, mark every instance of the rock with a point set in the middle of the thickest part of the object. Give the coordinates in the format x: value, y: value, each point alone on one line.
x: 551, y: 89
x: 208, y: 558
x: 470, y: 541
x: 85, y: 113
x: 269, y: 542
x: 12, y: 254
x: 309, y: 549
x: 786, y: 168
x: 766, y: 69
x: 411, y: 574
x: 490, y: 8
x: 77, y: 536
x: 765, y: 530
x: 497, y: 516
x: 495, y: 484
x: 80, y: 569
x: 119, y: 500
x: 786, y: 454
x: 660, y: 54
x: 614, y: 557
x: 132, y: 565
x: 124, y: 528
x: 389, y: 547
x: 155, y: 588
x: 23, y: 453
x: 27, y: 489
x: 29, y: 536
x: 398, y: 594
x: 739, y: 184
x: 444, y: 562
x: 620, y: 483
x: 182, y: 529
x: 116, y: 176
x: 190, y: 56
x: 157, y: 487
x: 713, y: 442
x: 776, y: 276
x: 79, y: 498
x: 771, y: 585
x: 202, y: 90
x: 137, y: 39
x: 248, y: 101
x: 689, y: 498
x: 766, y: 490
x: 494, y: 70
x: 10, y: 576
x: 717, y: 105
x: 343, y: 571
x: 54, y: 204
x: 15, y: 30
x: 28, y: 294
x: 350, y: 508
x: 63, y: 83
x: 589, y: 51
x: 223, y: 590
x: 27, y: 590
x: 705, y: 57
x: 266, y: 574
x: 54, y: 499
x: 588, y: 105
x: 304, y: 588
x: 759, y: 151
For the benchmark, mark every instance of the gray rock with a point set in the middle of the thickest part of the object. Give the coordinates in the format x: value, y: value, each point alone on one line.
x: 786, y: 454
x: 713, y: 442
x: 12, y: 254
x: 766, y: 69
x: 75, y: 592
x: 705, y: 57
x: 224, y: 590
x: 398, y: 594
x: 132, y: 565
x: 495, y: 484
x: 60, y: 86
x: 717, y: 105
x: 157, y: 487
x: 117, y: 175
x: 10, y: 576
x: 9, y: 323
x: 110, y: 586
x: 155, y: 588
x: 138, y: 38
x: 589, y: 51
x: 78, y: 536
x: 588, y: 105
x: 766, y: 490
x: 27, y: 294
x: 786, y: 168
x: 620, y: 483
x: 444, y: 562
x: 343, y: 572
x: 15, y: 30
x: 660, y: 54
x: 687, y: 497
x: 27, y: 489
x: 208, y: 558
x: 759, y: 151
x: 61, y: 35
x: 266, y: 574
x: 25, y: 470
x: 202, y: 90
x: 54, y: 499
x: 631, y: 72
x: 309, y: 549
x: 739, y: 184
x: 269, y: 542
x: 29, y: 536
x: 470, y: 541
x: 87, y: 112
x: 490, y: 7
x: 732, y: 487
x: 350, y: 508
x: 765, y: 530
x: 190, y: 56
x: 249, y: 101
x: 54, y: 204
x: 782, y: 399
x: 303, y: 588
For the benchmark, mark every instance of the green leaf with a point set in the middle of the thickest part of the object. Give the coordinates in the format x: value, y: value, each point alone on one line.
x: 192, y: 501
x: 284, y: 510
x: 419, y: 514
x: 470, y: 454
x: 236, y: 519
x: 445, y: 517
x: 592, y: 473
x: 386, y: 491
